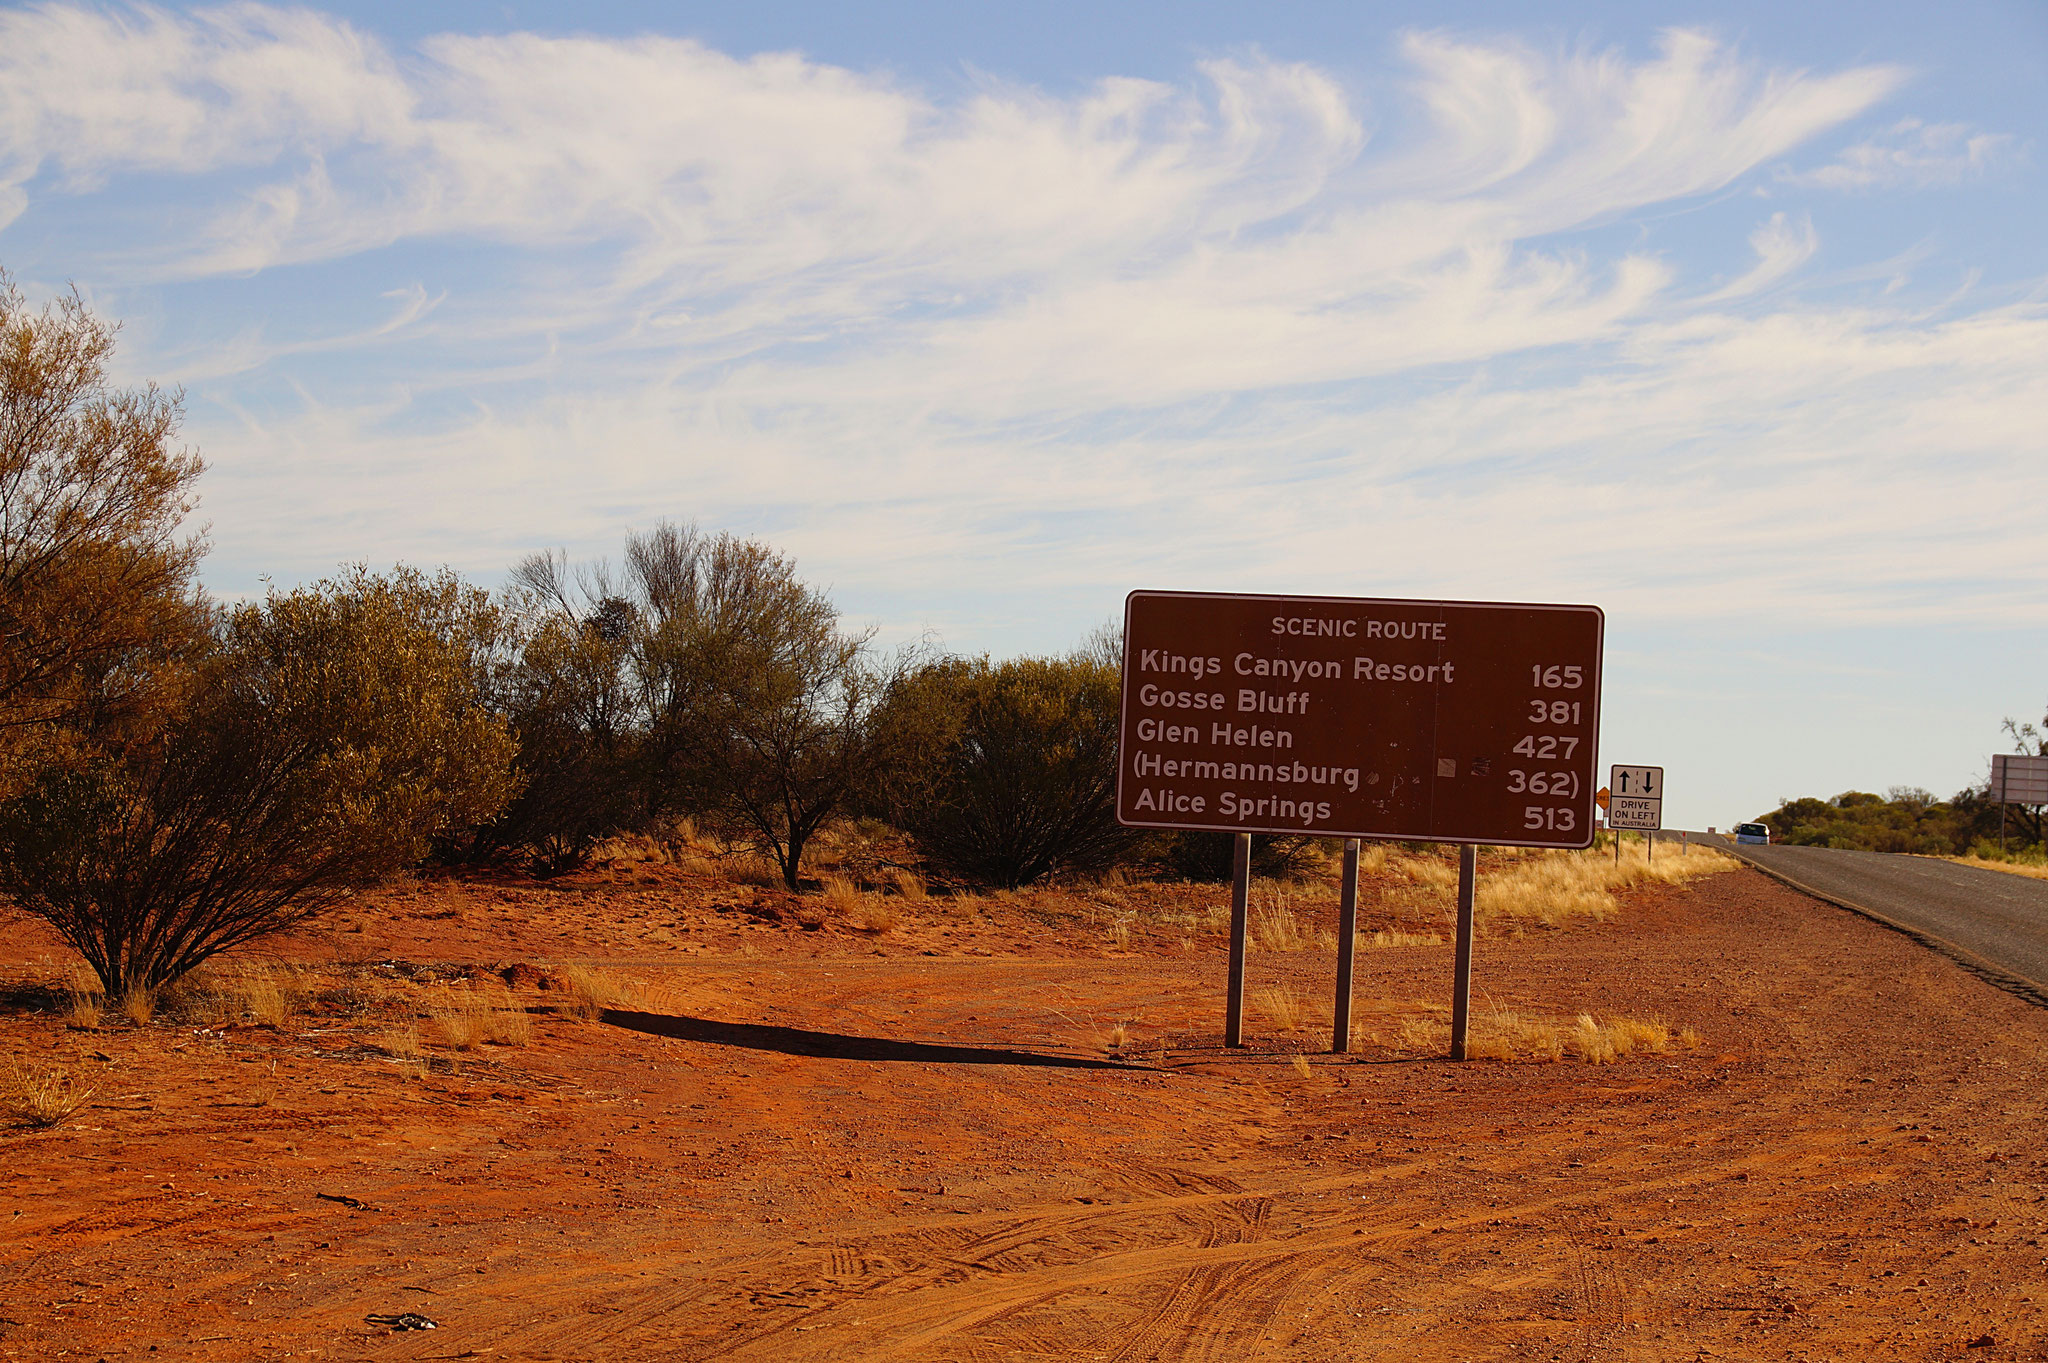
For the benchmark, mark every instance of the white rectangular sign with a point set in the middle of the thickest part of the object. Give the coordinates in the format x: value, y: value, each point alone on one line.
x: 2017, y: 779
x: 1636, y: 797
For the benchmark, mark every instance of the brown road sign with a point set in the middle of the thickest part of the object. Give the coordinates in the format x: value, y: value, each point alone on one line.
x: 1436, y: 721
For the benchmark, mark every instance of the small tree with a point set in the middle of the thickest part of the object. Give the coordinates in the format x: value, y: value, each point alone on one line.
x: 95, y: 585
x: 1017, y: 775
x: 330, y: 734
x: 574, y: 713
x: 763, y: 710
x: 713, y: 681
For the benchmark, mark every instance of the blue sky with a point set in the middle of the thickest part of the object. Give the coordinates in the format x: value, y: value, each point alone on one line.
x: 1732, y: 320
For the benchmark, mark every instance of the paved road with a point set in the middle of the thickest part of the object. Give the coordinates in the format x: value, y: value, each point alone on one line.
x: 1983, y: 918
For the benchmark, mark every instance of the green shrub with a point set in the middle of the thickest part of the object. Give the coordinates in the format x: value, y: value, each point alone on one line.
x: 1015, y: 774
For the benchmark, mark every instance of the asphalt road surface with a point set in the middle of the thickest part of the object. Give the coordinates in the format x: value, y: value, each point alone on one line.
x: 1988, y: 920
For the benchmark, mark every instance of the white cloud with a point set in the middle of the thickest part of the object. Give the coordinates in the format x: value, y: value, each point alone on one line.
x: 1782, y: 244
x: 1913, y: 155
x: 1211, y: 332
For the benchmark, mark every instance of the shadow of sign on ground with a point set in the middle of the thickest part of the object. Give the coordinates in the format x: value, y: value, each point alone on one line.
x: 755, y: 1036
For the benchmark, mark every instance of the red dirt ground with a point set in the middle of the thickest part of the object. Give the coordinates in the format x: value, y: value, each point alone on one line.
x: 1851, y: 1165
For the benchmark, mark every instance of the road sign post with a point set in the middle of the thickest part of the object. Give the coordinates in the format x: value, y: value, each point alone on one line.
x: 1240, y: 912
x: 1347, y: 946
x: 1461, y: 965
x: 1432, y: 721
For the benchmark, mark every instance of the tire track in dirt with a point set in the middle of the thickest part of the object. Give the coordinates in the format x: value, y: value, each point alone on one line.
x: 1223, y: 1283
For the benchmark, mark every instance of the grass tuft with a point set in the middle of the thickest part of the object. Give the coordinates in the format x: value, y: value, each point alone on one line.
x: 1281, y: 1005
x: 1272, y: 925
x: 42, y: 1096
x: 589, y: 991
x: 87, y: 1004
x: 1394, y: 937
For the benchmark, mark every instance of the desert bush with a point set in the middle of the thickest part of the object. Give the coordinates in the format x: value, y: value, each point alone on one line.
x: 1014, y: 777
x: 331, y: 733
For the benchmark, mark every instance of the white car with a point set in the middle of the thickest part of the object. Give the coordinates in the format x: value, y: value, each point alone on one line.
x: 1755, y: 833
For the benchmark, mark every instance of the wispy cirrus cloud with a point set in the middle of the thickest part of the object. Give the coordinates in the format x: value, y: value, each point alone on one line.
x: 1911, y: 154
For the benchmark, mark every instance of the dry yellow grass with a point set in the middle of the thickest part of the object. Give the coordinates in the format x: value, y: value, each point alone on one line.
x: 1120, y: 934
x: 138, y: 1006
x: 750, y: 868
x: 87, y: 1004
x: 588, y: 991
x: 1301, y: 1066
x: 1117, y: 1037
x: 1503, y: 1034
x: 1272, y: 925
x: 908, y: 883
x: 262, y: 994
x: 1427, y: 1035
x: 1553, y: 889
x: 1281, y: 1005
x: 862, y: 911
x: 42, y: 1095
x: 478, y: 1016
x: 1393, y: 937
x: 401, y: 1042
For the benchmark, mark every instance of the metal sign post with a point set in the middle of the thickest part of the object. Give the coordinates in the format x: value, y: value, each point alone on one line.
x: 1460, y: 722
x: 1461, y: 965
x: 1240, y: 913
x: 1347, y: 944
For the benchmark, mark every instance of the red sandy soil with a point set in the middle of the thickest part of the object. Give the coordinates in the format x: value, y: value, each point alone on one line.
x: 1850, y: 1165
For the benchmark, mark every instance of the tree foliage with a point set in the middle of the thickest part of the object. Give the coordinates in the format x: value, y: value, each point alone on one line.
x: 705, y: 678
x: 1016, y: 774
x: 328, y: 735
x: 96, y: 597
x: 1907, y: 819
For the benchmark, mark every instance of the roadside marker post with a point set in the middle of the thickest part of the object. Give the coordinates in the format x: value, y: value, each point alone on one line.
x: 1461, y: 722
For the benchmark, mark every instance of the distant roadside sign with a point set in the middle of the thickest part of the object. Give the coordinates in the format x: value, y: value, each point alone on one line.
x: 1638, y: 797
x: 1358, y: 717
x: 2017, y: 779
